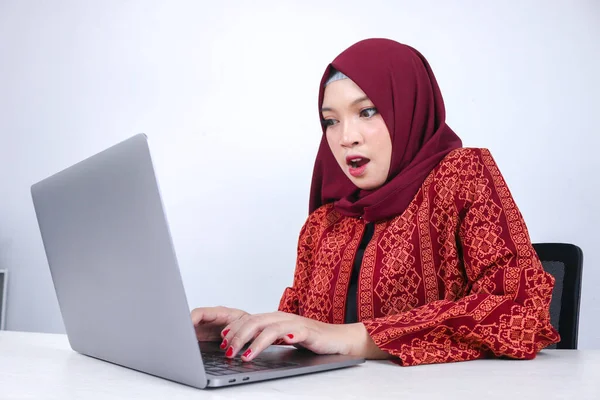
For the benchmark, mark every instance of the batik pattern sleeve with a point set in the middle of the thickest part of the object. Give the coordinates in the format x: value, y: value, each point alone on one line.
x: 503, y: 310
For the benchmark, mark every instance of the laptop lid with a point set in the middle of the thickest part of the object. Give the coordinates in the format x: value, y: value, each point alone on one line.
x: 105, y: 232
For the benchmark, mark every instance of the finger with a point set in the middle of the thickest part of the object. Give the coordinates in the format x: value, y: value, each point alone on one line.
x: 289, y: 331
x: 229, y: 334
x: 245, y: 329
x: 248, y: 329
x: 215, y: 315
x: 203, y: 314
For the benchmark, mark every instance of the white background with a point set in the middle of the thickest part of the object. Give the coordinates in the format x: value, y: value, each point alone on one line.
x: 227, y: 92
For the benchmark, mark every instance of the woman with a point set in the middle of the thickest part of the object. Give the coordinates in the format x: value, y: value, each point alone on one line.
x: 414, y: 249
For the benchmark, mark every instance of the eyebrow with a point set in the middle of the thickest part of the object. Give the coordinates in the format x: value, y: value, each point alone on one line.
x: 357, y: 101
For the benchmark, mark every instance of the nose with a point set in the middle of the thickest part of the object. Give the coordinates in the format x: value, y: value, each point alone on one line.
x: 350, y: 135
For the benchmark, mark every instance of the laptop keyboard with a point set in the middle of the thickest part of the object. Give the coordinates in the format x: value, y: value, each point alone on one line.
x: 218, y: 364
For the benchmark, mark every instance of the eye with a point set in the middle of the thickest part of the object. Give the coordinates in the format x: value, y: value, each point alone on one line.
x: 368, y: 112
x: 329, y: 122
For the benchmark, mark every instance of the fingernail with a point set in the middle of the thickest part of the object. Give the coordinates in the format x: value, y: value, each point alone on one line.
x: 229, y: 352
x: 247, y: 353
x: 225, y: 332
x: 224, y: 344
x: 290, y: 336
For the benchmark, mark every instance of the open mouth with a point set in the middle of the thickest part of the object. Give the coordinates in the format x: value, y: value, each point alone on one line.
x: 357, y: 162
x: 357, y: 165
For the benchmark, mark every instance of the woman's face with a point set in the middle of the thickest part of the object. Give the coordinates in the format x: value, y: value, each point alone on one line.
x: 356, y: 134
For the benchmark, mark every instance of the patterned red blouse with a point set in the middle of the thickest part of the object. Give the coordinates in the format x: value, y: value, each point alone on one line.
x: 453, y: 278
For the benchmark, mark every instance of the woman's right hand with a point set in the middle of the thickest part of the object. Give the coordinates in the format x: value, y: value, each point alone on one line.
x: 209, y: 322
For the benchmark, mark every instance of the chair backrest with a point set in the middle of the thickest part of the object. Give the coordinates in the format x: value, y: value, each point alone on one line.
x: 565, y: 262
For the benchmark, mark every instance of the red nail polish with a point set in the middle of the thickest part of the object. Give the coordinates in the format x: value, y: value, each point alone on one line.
x: 290, y: 336
x: 225, y: 332
x: 229, y: 352
x: 224, y: 344
x: 247, y: 353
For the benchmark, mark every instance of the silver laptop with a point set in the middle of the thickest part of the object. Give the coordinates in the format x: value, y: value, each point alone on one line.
x: 117, y: 279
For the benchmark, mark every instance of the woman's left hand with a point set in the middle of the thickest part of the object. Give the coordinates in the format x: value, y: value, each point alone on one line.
x: 318, y: 337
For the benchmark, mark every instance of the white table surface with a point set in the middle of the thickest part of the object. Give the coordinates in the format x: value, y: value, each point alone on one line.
x: 43, y: 366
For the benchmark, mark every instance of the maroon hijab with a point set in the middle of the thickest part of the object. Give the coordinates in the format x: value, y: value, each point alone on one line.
x: 400, y: 83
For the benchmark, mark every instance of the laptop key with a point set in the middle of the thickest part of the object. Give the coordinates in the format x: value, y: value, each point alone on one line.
x: 221, y: 371
x: 229, y: 372
x: 214, y: 372
x: 218, y: 364
x: 284, y: 365
x: 255, y: 367
x: 242, y: 369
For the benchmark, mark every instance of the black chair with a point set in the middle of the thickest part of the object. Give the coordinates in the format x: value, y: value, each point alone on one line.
x: 565, y: 262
